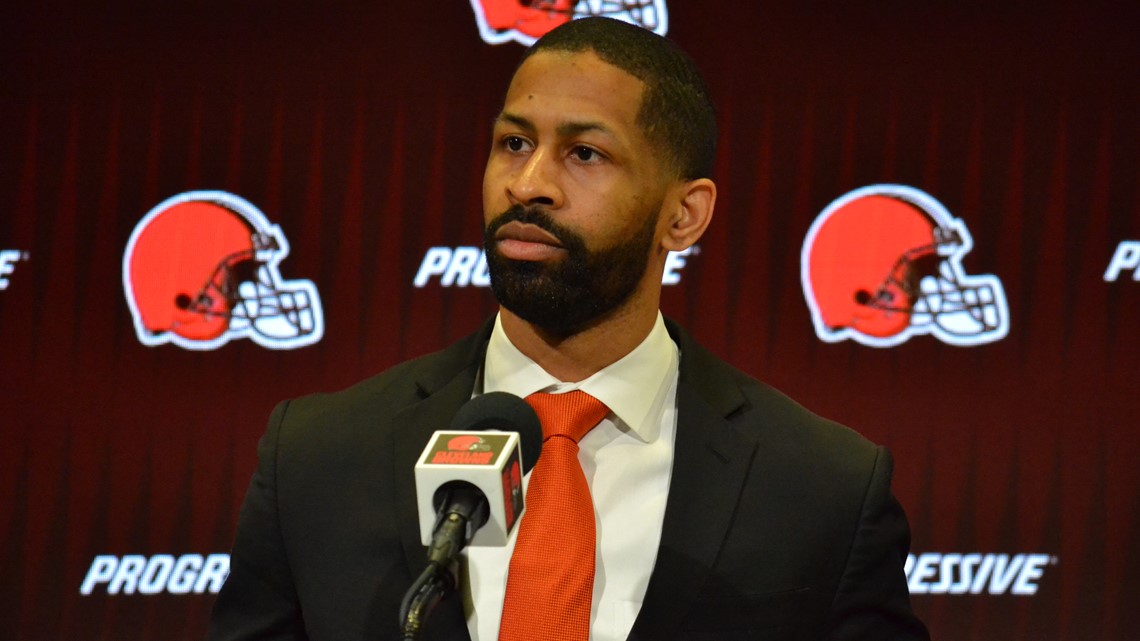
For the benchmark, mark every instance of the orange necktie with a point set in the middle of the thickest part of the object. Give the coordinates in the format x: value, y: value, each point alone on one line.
x: 551, y: 579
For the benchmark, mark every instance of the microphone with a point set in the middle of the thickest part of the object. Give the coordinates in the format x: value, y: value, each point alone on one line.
x: 469, y: 491
x: 475, y: 474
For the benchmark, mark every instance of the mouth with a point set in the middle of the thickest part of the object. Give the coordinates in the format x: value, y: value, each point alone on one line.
x: 524, y: 241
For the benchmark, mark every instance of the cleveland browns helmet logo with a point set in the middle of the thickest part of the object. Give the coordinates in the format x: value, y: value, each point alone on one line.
x: 884, y: 263
x: 525, y: 21
x: 468, y: 443
x: 202, y: 268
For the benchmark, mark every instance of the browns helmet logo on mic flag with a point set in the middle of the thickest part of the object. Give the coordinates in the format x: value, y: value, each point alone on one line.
x: 525, y: 21
x: 201, y: 268
x: 458, y: 448
x: 468, y: 443
x: 884, y: 263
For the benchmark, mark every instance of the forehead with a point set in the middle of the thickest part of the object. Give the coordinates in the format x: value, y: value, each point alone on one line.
x: 565, y: 87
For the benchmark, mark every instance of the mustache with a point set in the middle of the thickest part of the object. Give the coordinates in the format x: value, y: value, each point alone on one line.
x: 533, y: 215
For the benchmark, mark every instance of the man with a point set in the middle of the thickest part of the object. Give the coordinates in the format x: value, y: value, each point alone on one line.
x: 723, y: 509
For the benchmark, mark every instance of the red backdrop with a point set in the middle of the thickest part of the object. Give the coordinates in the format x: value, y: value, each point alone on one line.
x: 362, y: 133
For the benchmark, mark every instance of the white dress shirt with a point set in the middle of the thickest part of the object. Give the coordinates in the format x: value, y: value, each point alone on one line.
x: 627, y: 459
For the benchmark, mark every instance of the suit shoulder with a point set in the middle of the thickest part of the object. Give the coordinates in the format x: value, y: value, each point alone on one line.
x: 760, y: 412
x: 785, y: 411
x: 782, y: 408
x: 827, y: 464
x: 390, y: 391
x: 391, y: 388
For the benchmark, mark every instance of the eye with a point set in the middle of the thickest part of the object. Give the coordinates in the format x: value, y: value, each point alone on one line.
x: 515, y: 143
x: 585, y: 154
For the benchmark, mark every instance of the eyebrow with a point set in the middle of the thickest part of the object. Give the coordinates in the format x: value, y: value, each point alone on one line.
x: 566, y: 130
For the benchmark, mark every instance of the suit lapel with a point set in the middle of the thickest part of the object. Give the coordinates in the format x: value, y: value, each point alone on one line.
x: 710, y: 464
x: 443, y: 387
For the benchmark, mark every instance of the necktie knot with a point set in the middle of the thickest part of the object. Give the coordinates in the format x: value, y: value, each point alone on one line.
x: 572, y: 414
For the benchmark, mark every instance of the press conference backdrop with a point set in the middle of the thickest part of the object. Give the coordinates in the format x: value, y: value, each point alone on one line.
x: 334, y: 154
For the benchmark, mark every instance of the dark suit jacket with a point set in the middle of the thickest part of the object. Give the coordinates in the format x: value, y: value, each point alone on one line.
x: 779, y: 524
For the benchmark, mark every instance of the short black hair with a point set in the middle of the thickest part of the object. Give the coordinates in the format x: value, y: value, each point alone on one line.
x: 676, y: 112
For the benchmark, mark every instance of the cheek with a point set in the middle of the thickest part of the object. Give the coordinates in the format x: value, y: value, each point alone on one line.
x: 625, y: 218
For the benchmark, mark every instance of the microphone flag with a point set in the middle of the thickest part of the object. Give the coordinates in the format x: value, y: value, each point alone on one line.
x: 491, y: 461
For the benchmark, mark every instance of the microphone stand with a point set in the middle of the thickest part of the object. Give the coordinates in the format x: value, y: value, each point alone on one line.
x: 467, y: 512
x: 421, y: 598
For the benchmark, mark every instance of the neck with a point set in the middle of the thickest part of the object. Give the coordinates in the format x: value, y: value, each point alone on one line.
x: 577, y: 357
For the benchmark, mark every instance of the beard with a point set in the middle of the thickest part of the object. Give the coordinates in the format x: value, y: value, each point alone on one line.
x: 565, y: 296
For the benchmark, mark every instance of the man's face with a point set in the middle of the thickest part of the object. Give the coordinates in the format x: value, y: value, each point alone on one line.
x: 572, y: 193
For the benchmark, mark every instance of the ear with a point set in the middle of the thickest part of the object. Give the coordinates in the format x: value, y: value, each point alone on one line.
x: 690, y: 213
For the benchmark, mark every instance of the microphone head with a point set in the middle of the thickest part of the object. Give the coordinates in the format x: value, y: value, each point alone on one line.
x: 503, y: 412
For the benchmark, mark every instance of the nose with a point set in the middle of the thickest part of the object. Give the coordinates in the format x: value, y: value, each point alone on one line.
x: 537, y: 182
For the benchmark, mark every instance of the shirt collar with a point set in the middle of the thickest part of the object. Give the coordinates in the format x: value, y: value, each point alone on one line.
x: 634, y: 387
